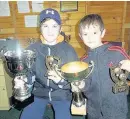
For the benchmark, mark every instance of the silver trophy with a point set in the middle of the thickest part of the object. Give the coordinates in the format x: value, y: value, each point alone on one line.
x: 119, y: 77
x: 52, y: 63
x: 19, y: 64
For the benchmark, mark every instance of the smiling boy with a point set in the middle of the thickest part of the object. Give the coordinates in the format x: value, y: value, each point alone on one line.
x: 52, y: 88
x: 102, y: 102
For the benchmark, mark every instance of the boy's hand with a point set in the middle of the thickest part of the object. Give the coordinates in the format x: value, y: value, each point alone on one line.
x: 52, y: 75
x: 125, y: 65
x: 77, y: 86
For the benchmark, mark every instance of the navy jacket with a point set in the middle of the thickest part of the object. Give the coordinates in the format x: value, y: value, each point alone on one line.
x: 43, y: 87
x: 102, y: 102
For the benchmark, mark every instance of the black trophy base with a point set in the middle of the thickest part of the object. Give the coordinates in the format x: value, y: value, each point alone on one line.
x: 118, y: 89
x: 20, y: 105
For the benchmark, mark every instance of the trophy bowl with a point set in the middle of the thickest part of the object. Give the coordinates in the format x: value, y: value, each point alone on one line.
x: 75, y: 71
x: 20, y: 63
x: 15, y: 63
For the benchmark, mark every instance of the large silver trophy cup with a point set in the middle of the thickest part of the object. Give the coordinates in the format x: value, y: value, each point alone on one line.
x: 19, y: 64
x: 74, y: 72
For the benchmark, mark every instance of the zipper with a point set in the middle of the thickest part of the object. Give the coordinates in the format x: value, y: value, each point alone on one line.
x: 50, y: 95
x: 100, y: 83
x: 49, y: 53
x: 48, y: 81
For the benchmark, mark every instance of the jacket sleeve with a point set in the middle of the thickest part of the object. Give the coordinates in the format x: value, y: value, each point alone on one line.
x: 118, y: 54
x: 87, y: 85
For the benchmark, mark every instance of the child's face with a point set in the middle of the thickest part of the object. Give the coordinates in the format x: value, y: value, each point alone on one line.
x: 50, y: 30
x: 92, y: 36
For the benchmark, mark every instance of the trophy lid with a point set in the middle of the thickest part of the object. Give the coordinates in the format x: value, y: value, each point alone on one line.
x: 74, y: 67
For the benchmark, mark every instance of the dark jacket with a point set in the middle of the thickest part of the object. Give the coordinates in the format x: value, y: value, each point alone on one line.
x: 102, y: 102
x: 42, y: 88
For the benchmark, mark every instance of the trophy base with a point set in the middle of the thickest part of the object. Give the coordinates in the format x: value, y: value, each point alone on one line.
x: 20, y: 105
x: 78, y: 110
x: 118, y: 89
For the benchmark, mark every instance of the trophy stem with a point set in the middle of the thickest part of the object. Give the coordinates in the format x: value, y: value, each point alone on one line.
x: 78, y: 99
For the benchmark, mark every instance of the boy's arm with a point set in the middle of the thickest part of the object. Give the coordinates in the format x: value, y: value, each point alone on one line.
x: 119, y: 53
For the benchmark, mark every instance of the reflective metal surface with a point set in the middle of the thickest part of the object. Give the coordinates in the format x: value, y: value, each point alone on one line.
x: 119, y: 77
x: 19, y: 63
x: 76, y: 70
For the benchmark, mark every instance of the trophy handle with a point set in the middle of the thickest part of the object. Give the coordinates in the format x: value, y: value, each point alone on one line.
x: 58, y: 71
x: 6, y: 67
x: 92, y: 67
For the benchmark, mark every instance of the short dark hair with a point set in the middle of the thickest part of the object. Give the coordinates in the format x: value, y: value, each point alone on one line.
x: 46, y: 19
x: 91, y: 19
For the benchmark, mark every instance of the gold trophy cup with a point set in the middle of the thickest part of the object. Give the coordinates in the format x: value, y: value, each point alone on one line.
x: 76, y: 72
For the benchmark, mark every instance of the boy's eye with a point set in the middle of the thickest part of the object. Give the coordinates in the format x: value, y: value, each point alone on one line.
x: 44, y: 26
x: 85, y: 34
x: 95, y: 33
x: 55, y: 26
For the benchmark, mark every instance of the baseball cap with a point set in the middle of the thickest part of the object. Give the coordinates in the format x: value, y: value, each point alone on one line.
x: 50, y: 13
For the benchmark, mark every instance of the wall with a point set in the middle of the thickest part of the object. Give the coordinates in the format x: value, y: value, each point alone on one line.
x: 112, y: 13
x: 127, y: 27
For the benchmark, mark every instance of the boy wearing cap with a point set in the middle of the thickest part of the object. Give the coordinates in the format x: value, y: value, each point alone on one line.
x: 102, y: 102
x: 50, y: 89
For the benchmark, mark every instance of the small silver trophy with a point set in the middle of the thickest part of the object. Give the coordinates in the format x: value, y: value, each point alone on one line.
x: 119, y: 77
x: 19, y: 63
x: 52, y: 63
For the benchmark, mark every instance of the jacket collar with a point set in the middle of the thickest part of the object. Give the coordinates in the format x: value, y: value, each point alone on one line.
x: 60, y: 38
x: 99, y: 50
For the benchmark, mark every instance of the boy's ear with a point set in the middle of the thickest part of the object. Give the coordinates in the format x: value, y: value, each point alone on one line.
x: 103, y: 33
x: 60, y: 29
x: 42, y: 39
x: 80, y: 36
